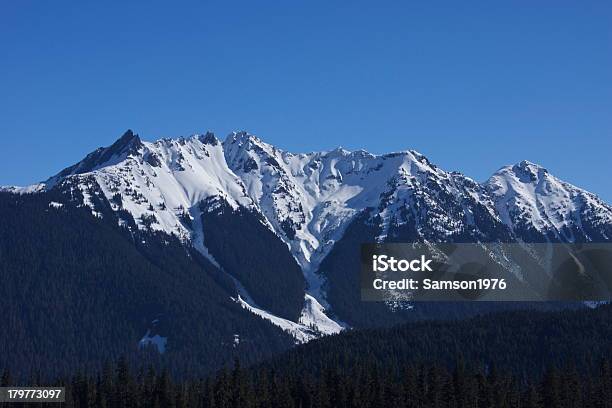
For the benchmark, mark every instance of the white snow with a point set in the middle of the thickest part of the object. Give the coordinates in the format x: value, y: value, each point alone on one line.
x: 157, y: 340
x: 55, y: 204
x: 528, y: 193
x: 34, y: 188
x: 591, y: 304
x: 313, y: 322
x: 313, y: 315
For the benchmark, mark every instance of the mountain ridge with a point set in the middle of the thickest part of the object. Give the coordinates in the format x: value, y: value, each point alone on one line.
x: 308, y: 200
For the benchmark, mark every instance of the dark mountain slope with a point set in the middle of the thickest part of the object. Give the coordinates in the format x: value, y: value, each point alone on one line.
x: 256, y: 257
x: 77, y: 290
x: 341, y: 270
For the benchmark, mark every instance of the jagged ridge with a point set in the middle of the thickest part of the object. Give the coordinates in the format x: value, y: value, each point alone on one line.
x: 308, y: 200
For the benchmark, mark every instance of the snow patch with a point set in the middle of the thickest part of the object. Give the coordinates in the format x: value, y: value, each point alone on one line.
x: 156, y: 340
x: 34, y: 188
x: 313, y: 322
x: 313, y: 315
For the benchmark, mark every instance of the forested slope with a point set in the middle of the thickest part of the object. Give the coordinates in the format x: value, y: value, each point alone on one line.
x: 77, y: 290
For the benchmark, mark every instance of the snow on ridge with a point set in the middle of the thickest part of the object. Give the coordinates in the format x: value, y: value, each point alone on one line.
x: 31, y: 189
x: 528, y: 193
x: 308, y: 199
x: 163, y: 186
x: 313, y: 322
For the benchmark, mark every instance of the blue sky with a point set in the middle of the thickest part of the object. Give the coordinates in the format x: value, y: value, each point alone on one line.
x: 473, y: 85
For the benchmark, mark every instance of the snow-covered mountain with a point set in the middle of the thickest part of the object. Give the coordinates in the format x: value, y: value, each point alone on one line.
x: 307, y: 201
x: 531, y: 202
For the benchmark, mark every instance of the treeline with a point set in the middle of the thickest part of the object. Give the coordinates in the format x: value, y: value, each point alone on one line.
x: 368, y: 385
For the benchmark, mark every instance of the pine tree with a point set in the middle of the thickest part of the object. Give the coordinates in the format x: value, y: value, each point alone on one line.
x: 532, y: 397
x: 6, y: 379
x: 604, y: 389
x: 551, y: 388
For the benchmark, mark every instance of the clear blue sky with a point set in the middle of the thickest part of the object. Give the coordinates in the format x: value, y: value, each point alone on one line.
x: 473, y: 85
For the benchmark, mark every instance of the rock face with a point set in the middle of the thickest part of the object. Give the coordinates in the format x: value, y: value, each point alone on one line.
x: 278, y: 223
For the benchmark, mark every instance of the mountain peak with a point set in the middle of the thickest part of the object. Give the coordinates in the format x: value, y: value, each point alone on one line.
x: 339, y: 151
x: 209, y: 138
x: 527, y: 166
x: 524, y: 171
x: 129, y: 143
x: 128, y: 135
x: 241, y: 146
x: 241, y: 137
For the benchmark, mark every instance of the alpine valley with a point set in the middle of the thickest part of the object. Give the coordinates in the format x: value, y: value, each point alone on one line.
x: 195, y: 251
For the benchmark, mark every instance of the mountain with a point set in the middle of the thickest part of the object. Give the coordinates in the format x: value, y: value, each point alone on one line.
x: 281, y: 230
x: 535, y: 204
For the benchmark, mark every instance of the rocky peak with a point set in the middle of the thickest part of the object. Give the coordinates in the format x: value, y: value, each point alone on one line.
x: 128, y: 144
x: 209, y: 138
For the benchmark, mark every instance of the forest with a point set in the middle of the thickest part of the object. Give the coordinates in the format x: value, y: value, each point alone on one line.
x: 367, y: 384
x: 77, y: 290
x: 79, y: 293
x: 510, y: 359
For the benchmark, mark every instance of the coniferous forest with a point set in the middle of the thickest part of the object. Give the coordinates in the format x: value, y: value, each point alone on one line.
x: 367, y: 384
x: 77, y: 289
x: 514, y: 359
